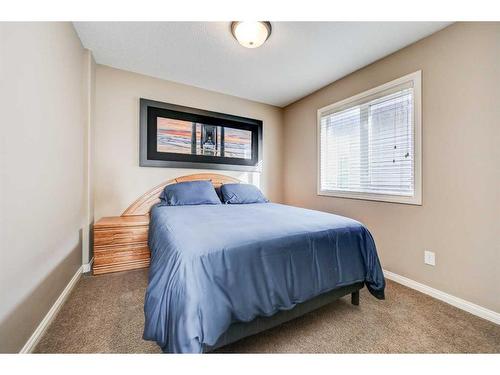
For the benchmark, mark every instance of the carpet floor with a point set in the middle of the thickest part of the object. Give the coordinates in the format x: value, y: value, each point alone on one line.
x: 104, y: 314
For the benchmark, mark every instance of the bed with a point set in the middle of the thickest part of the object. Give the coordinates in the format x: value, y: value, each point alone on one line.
x: 219, y: 273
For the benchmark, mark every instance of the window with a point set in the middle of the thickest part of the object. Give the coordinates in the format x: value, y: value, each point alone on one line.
x: 370, y: 144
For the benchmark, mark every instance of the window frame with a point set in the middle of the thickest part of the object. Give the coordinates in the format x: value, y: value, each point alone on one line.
x: 416, y: 79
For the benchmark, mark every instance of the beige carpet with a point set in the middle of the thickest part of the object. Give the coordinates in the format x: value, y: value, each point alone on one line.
x: 104, y: 314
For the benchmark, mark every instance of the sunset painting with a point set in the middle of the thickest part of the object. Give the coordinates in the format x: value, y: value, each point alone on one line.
x: 237, y: 143
x: 185, y: 137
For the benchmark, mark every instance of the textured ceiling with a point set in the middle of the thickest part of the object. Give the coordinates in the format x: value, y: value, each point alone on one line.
x: 298, y: 58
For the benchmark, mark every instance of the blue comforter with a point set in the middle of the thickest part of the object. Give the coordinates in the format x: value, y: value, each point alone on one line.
x: 212, y: 265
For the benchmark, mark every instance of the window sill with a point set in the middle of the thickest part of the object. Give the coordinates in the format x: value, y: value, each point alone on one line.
x: 413, y: 200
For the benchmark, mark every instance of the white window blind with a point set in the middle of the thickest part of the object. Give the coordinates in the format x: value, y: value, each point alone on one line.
x: 367, y: 145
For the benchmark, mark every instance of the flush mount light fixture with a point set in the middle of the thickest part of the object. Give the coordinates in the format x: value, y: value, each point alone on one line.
x: 251, y: 34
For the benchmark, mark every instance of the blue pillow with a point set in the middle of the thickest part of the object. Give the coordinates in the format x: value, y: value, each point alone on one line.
x: 242, y: 194
x: 189, y: 193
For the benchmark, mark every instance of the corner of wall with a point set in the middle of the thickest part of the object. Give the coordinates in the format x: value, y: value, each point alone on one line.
x: 89, y: 116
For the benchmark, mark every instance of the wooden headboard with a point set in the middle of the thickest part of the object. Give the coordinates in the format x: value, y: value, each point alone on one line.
x: 143, y: 204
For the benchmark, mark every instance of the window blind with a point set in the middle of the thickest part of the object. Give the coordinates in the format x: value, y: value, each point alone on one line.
x: 367, y: 146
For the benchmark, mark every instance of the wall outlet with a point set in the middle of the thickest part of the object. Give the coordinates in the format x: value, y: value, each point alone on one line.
x: 429, y: 258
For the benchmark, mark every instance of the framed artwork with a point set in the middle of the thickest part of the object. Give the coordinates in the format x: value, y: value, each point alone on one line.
x: 183, y: 137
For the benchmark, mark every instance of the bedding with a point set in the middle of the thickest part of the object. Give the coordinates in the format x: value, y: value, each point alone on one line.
x: 189, y: 193
x: 242, y: 194
x: 213, y: 265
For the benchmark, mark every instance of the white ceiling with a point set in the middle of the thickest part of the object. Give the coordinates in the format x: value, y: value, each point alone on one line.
x: 298, y: 58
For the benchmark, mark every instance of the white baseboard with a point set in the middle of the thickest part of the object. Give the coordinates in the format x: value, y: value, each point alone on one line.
x: 88, y: 266
x: 470, y: 307
x: 39, y: 331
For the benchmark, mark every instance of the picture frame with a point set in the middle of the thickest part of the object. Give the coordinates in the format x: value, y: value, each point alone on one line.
x: 174, y: 136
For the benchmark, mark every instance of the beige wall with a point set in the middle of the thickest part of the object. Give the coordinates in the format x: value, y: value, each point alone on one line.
x: 460, y: 215
x: 42, y: 190
x: 118, y: 178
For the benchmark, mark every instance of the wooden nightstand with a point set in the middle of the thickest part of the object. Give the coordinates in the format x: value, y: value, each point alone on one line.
x: 121, y: 243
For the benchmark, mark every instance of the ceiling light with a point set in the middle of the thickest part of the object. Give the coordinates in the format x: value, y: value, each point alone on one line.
x: 251, y: 34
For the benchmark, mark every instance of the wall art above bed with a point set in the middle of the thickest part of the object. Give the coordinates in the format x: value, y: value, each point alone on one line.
x: 182, y: 137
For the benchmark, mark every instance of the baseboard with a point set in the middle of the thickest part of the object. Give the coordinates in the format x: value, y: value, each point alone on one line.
x: 39, y: 331
x: 470, y: 307
x: 88, y: 266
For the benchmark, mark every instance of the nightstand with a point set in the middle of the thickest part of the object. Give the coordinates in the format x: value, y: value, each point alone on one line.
x: 121, y: 243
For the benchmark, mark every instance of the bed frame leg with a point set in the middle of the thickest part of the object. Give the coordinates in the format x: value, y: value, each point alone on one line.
x: 355, y: 298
